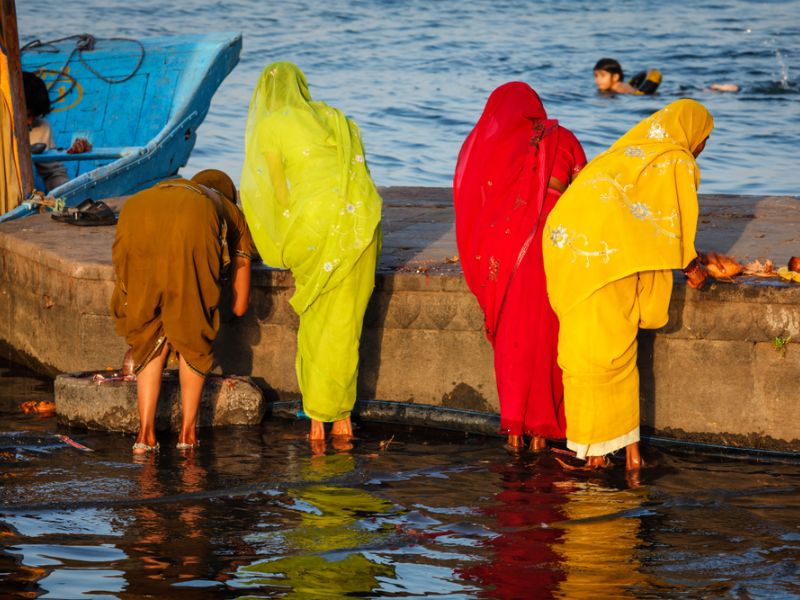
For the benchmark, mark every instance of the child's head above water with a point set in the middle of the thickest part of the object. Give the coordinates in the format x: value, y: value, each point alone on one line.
x: 607, y: 74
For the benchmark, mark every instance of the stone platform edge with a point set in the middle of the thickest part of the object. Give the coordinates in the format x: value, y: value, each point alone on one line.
x: 721, y: 370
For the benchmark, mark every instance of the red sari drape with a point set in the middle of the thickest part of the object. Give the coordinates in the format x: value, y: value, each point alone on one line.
x: 502, y: 199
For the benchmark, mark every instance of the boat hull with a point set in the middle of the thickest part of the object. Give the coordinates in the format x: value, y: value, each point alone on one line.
x: 143, y: 129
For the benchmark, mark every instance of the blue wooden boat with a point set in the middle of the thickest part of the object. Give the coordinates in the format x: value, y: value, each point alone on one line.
x: 138, y: 102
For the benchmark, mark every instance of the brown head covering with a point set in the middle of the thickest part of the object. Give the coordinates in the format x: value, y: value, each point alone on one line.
x: 218, y: 181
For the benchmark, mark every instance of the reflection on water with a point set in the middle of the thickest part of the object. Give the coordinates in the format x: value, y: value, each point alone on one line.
x: 253, y: 513
x: 323, y: 551
x: 599, y: 543
x: 524, y: 554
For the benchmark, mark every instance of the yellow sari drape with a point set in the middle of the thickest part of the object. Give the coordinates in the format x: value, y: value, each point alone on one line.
x: 313, y: 208
x: 609, y: 246
x: 10, y: 179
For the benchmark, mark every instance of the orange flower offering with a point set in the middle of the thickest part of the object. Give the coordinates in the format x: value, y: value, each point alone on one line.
x: 43, y: 407
x: 721, y: 266
x: 759, y: 269
x: 794, y: 264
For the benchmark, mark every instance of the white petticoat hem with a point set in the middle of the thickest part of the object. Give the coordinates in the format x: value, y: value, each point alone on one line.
x: 603, y: 448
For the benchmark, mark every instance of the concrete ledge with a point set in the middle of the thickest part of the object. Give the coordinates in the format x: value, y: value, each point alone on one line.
x: 713, y: 373
x: 111, y: 405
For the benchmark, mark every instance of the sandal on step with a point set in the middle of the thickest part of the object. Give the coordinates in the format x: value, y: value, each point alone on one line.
x: 92, y: 214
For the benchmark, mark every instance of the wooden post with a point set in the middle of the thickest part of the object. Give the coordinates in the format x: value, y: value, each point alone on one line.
x: 8, y: 30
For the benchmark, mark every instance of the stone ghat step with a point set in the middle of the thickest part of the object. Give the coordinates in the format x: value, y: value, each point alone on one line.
x: 102, y: 400
x: 723, y: 370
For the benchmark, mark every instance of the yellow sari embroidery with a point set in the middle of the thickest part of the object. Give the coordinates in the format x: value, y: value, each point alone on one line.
x: 639, y: 199
x: 612, y: 241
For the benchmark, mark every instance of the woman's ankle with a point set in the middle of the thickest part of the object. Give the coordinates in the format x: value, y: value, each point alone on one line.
x: 633, y: 458
x: 317, y: 431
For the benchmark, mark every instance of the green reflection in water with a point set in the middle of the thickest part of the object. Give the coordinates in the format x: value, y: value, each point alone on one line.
x: 332, y: 520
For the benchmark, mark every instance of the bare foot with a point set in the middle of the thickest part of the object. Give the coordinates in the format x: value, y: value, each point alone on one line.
x: 145, y: 442
x: 515, y: 443
x: 317, y: 447
x: 317, y: 430
x: 634, y: 478
x: 341, y: 443
x: 538, y: 444
x: 633, y: 460
x: 598, y: 462
x: 187, y: 439
x: 342, y: 428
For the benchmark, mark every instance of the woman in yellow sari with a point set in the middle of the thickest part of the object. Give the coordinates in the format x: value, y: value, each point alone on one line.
x: 610, y: 245
x: 312, y: 207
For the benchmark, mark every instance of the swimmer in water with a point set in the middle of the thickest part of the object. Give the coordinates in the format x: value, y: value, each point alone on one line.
x: 723, y: 87
x: 609, y: 78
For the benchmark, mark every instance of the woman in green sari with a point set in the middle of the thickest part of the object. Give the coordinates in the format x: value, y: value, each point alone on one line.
x: 312, y: 207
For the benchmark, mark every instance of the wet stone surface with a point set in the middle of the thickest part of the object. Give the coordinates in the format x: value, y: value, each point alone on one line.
x: 423, y: 338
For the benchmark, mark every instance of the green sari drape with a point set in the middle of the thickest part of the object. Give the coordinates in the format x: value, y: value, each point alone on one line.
x: 313, y: 208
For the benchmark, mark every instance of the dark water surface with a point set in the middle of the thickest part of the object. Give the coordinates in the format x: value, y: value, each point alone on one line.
x: 252, y: 514
x: 415, y: 74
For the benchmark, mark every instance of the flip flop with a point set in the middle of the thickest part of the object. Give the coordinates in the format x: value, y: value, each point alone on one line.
x: 67, y: 213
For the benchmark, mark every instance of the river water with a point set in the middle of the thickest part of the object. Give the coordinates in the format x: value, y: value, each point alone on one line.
x: 415, y: 74
x: 404, y: 514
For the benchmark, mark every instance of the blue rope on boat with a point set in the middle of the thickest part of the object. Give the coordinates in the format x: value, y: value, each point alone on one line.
x: 85, y: 42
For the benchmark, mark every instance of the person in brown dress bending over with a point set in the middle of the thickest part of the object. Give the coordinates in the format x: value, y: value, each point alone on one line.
x: 174, y: 244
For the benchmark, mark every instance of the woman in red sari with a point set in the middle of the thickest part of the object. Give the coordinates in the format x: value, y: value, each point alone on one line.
x: 511, y: 170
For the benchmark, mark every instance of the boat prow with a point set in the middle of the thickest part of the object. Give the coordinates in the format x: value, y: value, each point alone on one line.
x: 138, y: 102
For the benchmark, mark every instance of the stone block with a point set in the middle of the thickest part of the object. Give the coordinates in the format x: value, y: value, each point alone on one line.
x: 111, y: 405
x: 99, y: 342
x: 701, y: 386
x: 775, y: 402
x: 426, y: 366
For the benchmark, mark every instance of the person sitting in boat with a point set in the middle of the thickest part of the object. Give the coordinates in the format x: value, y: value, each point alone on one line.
x: 174, y: 242
x: 609, y: 78
x: 37, y: 104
